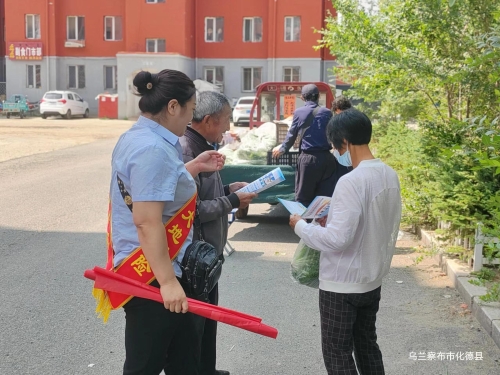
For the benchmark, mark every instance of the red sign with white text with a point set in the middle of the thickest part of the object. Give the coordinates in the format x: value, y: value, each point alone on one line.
x: 25, y: 51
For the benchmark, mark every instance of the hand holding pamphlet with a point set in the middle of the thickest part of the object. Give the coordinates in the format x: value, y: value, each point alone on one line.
x: 317, y: 209
x: 265, y: 182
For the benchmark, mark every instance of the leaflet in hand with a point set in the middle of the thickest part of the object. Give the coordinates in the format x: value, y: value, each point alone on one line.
x: 295, y: 208
x: 265, y: 182
x: 317, y: 209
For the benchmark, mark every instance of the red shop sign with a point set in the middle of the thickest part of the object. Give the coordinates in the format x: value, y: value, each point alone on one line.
x: 25, y: 51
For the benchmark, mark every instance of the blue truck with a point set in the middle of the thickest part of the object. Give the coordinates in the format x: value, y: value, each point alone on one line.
x: 18, y: 105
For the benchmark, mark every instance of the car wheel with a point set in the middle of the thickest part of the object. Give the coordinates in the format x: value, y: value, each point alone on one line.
x: 44, y: 116
x: 68, y: 115
x: 86, y: 115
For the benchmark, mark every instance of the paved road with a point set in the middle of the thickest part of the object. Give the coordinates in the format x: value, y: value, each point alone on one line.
x: 53, y: 212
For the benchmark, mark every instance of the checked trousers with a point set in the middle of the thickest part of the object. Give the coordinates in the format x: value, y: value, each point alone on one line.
x: 347, y: 327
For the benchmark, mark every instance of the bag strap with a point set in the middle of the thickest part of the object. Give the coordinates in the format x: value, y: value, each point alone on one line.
x: 307, y: 124
x: 128, y: 201
x: 197, y: 221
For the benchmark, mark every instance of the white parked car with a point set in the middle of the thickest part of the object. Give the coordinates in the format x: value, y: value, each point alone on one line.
x: 241, y: 111
x: 63, y: 103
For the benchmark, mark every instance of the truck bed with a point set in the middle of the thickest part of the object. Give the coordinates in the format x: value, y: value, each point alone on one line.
x: 13, y: 107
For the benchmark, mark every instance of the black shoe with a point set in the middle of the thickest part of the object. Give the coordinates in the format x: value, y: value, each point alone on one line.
x: 221, y: 372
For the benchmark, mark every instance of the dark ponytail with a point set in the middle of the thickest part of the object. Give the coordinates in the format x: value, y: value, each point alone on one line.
x: 157, y: 90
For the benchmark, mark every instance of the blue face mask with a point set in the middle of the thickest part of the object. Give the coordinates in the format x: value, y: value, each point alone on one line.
x: 344, y: 159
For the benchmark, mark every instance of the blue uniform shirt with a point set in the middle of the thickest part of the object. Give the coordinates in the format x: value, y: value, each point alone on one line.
x: 148, y: 159
x: 314, y: 138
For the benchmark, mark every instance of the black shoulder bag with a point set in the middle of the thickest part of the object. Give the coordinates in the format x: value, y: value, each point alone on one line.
x: 201, y: 265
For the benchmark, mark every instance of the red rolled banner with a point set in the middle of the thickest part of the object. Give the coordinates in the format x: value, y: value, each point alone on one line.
x: 110, y: 281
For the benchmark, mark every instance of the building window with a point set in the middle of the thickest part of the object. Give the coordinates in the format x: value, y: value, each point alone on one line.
x: 252, y: 77
x: 110, y: 78
x: 215, y: 75
x: 75, y: 28
x: 76, y: 77
x: 154, y: 1
x: 33, y: 26
x: 113, y: 28
x: 156, y: 45
x: 214, y: 29
x: 252, y: 29
x: 33, y: 76
x: 291, y: 74
x: 292, y: 29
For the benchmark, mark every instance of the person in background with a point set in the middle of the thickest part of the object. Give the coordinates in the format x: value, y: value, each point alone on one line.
x: 220, y: 35
x: 150, y: 185
x: 341, y: 103
x: 210, y: 35
x: 210, y: 121
x: 357, y: 241
x: 316, y: 164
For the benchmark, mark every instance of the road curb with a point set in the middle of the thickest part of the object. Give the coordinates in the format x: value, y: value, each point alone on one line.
x: 488, y: 314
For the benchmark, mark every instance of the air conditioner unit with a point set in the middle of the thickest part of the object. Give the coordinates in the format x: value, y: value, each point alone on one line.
x: 74, y: 44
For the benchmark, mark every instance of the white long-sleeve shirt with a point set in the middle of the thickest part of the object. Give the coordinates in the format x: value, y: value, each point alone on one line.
x: 359, y: 238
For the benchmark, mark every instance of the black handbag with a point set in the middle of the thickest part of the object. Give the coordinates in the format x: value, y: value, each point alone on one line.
x: 201, y: 269
x: 201, y: 265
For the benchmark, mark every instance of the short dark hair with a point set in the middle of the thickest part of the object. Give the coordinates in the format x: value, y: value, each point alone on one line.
x: 341, y: 103
x: 351, y: 125
x: 157, y: 90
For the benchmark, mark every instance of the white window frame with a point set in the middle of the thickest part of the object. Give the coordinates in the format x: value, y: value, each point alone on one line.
x: 252, y: 83
x: 33, y: 19
x: 35, y: 80
x: 77, y: 77
x: 252, y: 38
x: 214, y: 72
x: 292, y: 36
x: 214, y: 30
x: 113, y: 38
x: 77, y: 28
x: 154, y: 1
x: 156, y: 44
x: 114, y: 72
x: 291, y: 68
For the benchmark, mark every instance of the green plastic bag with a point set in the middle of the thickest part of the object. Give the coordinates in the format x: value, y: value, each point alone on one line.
x: 305, y: 265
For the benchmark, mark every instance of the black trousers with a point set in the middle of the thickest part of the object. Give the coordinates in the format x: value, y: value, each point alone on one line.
x: 152, y: 333
x: 206, y: 335
x: 313, y: 176
x: 208, y: 332
x: 347, y: 326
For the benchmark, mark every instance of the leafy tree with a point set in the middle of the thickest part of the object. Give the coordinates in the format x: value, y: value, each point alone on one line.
x: 433, y: 63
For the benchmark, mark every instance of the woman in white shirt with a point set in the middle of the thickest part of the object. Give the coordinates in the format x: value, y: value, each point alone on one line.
x: 357, y: 242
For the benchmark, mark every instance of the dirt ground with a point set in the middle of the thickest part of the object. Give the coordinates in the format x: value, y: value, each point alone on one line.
x: 19, y: 138
x: 29, y: 136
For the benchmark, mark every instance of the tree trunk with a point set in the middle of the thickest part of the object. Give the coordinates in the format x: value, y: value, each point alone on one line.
x: 449, y: 98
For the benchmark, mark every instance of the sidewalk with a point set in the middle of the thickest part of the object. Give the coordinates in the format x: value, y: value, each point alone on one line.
x: 488, y: 314
x: 420, y: 312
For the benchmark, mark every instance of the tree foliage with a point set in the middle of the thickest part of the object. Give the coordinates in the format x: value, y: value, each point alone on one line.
x: 435, y: 64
